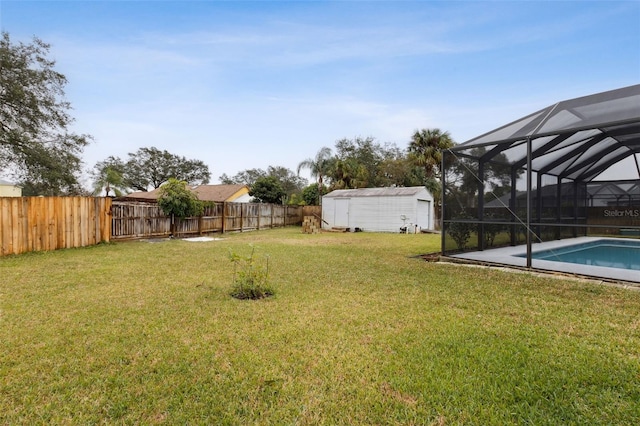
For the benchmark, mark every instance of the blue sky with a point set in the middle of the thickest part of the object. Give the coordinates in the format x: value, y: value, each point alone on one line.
x: 245, y: 85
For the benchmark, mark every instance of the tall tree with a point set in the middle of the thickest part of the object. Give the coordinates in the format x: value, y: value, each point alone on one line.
x: 268, y: 190
x: 310, y: 194
x: 463, y: 174
x: 319, y: 167
x: 150, y: 168
x: 396, y: 169
x: 290, y: 182
x: 356, y: 163
x: 36, y: 146
x: 349, y: 174
x: 425, y: 150
x: 368, y: 163
x: 245, y: 177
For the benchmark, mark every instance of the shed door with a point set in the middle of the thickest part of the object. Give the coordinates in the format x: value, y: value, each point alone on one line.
x: 342, y: 212
x: 423, y: 220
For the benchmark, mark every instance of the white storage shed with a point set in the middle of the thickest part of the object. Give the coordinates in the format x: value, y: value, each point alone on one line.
x: 379, y: 209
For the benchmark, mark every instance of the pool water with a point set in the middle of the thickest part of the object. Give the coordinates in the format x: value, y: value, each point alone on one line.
x: 623, y: 254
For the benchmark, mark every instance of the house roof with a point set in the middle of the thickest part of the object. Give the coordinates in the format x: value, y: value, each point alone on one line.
x: 216, y: 193
x: 376, y: 192
x: 577, y: 139
x: 220, y: 193
x: 7, y: 183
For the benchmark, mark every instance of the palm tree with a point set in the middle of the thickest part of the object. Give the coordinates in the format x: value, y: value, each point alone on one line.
x: 425, y: 150
x: 348, y: 174
x: 319, y: 167
x: 108, y: 176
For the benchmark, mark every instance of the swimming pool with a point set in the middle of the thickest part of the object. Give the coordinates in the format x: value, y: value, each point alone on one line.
x: 623, y: 254
x: 617, y: 269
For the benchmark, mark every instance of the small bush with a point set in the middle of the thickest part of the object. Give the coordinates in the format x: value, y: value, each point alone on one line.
x: 461, y: 231
x: 250, y: 279
x: 177, y: 199
x: 492, y: 229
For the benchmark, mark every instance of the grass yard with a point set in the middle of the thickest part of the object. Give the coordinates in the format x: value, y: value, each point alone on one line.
x: 358, y: 332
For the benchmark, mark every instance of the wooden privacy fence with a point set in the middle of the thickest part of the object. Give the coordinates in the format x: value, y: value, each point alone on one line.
x: 50, y: 223
x: 132, y: 219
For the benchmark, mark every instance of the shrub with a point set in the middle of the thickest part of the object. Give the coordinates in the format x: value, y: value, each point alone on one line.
x: 492, y: 229
x: 250, y: 279
x: 176, y: 199
x: 460, y: 231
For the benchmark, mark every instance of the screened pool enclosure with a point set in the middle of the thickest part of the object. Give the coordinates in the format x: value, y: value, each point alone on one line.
x: 569, y: 170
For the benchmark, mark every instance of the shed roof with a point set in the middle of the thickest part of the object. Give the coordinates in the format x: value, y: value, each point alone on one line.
x: 577, y: 139
x: 376, y: 192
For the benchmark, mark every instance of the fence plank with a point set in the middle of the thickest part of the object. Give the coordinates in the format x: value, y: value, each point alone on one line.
x: 7, y: 234
x: 51, y: 223
x: 68, y: 224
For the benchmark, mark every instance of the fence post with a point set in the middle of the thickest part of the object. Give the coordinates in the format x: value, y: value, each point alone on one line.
x: 224, y: 215
x: 272, y: 215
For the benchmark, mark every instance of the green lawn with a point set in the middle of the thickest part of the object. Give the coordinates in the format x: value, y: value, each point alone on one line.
x: 359, y: 332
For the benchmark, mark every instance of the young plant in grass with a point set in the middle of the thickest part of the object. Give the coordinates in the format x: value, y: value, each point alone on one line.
x: 250, y: 276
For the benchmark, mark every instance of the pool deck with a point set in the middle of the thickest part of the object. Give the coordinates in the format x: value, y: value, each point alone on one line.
x: 510, y: 256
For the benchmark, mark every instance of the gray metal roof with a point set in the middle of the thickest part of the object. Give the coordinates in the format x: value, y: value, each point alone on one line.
x: 6, y: 182
x: 376, y: 192
x: 577, y: 139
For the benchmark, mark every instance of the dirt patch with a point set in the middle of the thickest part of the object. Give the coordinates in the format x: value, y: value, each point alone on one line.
x: 201, y: 239
x: 430, y: 257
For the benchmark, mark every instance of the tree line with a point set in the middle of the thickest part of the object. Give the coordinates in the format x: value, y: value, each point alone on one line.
x: 353, y: 163
x: 38, y: 150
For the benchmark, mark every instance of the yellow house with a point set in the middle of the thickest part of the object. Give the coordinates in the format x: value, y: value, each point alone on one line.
x: 216, y: 193
x: 8, y: 189
x: 238, y: 193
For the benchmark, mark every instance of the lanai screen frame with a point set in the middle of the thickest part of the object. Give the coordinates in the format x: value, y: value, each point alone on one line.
x: 571, y: 143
